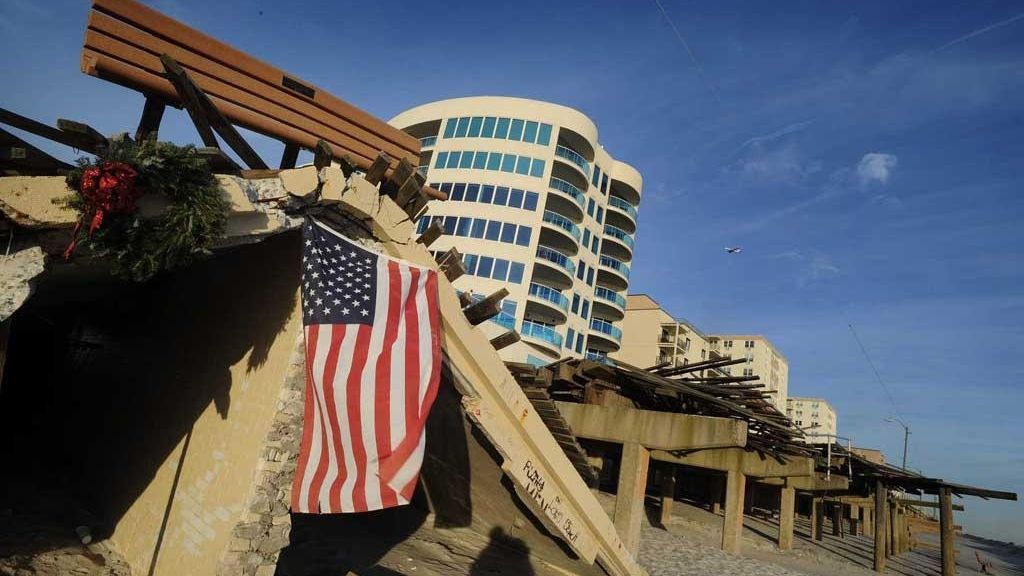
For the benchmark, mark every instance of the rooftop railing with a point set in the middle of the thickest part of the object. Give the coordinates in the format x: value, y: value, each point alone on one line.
x: 623, y: 205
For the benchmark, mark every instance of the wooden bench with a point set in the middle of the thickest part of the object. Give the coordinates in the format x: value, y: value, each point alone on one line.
x: 124, y: 43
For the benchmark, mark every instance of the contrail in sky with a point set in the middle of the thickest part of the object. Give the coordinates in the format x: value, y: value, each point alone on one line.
x: 693, y: 57
x: 979, y: 32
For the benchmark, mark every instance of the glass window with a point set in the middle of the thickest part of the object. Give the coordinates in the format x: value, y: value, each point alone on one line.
x: 453, y: 160
x: 569, y: 337
x: 530, y: 132
x: 460, y: 130
x: 486, y: 193
x: 594, y: 244
x: 421, y: 226
x: 458, y: 192
x: 501, y: 195
x: 590, y: 207
x: 581, y: 270
x: 493, y: 229
x: 467, y: 160
x: 590, y: 277
x: 515, y: 273
x: 449, y: 225
x: 586, y: 236
x: 449, y: 127
x: 575, y: 303
x: 474, y: 126
x: 523, y: 165
x: 595, y: 179
x: 515, y: 132
x: 472, y: 191
x: 544, y: 134
x: 464, y: 225
x: 515, y: 198
x: 530, y: 202
x: 494, y: 161
x: 604, y: 184
x: 488, y: 129
x: 485, y: 266
x: 537, y: 170
x: 585, y: 309
x: 442, y: 158
x: 508, y: 163
x: 524, y: 236
x: 508, y: 307
x: 480, y: 160
x: 479, y: 224
x: 600, y: 215
x: 470, y: 261
x: 446, y: 187
x: 500, y: 269
x: 508, y: 233
x: 579, y: 345
x: 501, y: 131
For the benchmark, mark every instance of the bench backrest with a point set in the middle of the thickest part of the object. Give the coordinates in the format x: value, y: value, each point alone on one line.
x: 123, y: 44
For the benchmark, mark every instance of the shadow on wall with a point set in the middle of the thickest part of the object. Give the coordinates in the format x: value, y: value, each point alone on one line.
x: 504, y: 554
x: 104, y: 379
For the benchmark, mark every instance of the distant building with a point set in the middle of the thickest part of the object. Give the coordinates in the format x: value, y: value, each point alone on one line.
x: 816, y: 416
x: 762, y: 360
x: 652, y: 336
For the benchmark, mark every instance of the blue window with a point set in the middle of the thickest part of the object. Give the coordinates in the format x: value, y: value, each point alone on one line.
x: 446, y: 187
x: 480, y: 160
x: 460, y: 130
x: 464, y: 225
x: 523, y: 166
x: 596, y: 178
x: 530, y: 202
x: 508, y: 233
x: 585, y: 309
x: 569, y: 337
x: 590, y: 207
x: 470, y: 261
x: 544, y: 135
x: 501, y: 131
x: 581, y: 270
x: 593, y: 245
x: 537, y: 169
x: 575, y: 302
x: 508, y: 307
x: 486, y: 264
x: 472, y: 190
x: 516, y: 131
x: 486, y: 193
x: 515, y: 198
x: 530, y: 132
x: 453, y: 160
x: 488, y: 129
x: 474, y: 126
x: 501, y: 196
x: 579, y: 345
x: 524, y: 236
x: 515, y: 273
x: 604, y: 184
x: 458, y: 192
x: 494, y: 161
x: 442, y: 157
x: 449, y: 127
x: 493, y: 230
x: 449, y: 225
x: 590, y: 277
x: 600, y: 214
x: 479, y: 225
x: 467, y: 160
x: 500, y: 269
x: 421, y: 226
x: 508, y: 163
x: 586, y: 236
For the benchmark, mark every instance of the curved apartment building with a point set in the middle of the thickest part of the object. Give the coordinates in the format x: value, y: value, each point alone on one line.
x: 536, y: 205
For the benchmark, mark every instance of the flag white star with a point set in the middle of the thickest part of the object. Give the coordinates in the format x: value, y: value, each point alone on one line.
x: 364, y: 312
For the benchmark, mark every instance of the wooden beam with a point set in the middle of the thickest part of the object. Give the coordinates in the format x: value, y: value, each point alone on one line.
x: 399, y: 176
x: 489, y: 307
x: 433, y: 232
x: 290, y: 156
x: 83, y: 131
x: 49, y: 132
x: 927, y: 504
x: 24, y: 158
x: 451, y: 264
x: 188, y: 92
x: 505, y: 340
x: 152, y: 115
x: 376, y: 171
x: 217, y: 160
x: 946, y: 533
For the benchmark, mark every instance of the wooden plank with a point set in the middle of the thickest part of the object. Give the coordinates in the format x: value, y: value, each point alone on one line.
x: 48, y: 132
x: 290, y: 156
x: 21, y: 157
x: 218, y: 161
x: 189, y: 96
x: 504, y: 340
x: 152, y: 115
x: 432, y: 233
x: 487, y: 308
x: 399, y: 176
x: 84, y: 131
x: 451, y: 264
x: 111, y: 37
x: 376, y: 171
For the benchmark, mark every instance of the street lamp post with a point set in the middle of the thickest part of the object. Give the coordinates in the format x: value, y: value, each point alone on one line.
x: 906, y: 436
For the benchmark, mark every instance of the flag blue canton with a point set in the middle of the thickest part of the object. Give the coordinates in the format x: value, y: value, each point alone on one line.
x: 339, y: 279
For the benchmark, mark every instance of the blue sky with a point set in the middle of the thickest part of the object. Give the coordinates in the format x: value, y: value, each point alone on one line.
x: 867, y: 156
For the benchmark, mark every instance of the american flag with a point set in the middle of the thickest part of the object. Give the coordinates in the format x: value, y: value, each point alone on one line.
x: 372, y: 328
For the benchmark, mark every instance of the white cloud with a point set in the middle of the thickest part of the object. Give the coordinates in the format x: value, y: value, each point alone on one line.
x: 876, y: 167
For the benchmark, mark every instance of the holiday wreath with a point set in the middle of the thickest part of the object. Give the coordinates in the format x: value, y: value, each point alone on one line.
x: 111, y: 225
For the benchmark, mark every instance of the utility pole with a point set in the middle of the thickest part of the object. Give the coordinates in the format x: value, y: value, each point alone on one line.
x: 906, y: 436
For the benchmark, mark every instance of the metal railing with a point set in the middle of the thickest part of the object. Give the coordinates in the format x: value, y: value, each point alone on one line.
x: 605, y: 327
x: 549, y: 294
x: 556, y: 257
x: 574, y: 192
x: 619, y: 234
x: 574, y: 157
x: 610, y: 295
x: 562, y: 222
x: 541, y: 332
x: 428, y: 141
x: 614, y: 265
x: 623, y: 205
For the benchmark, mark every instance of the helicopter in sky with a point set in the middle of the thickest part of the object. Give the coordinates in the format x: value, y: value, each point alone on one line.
x: 733, y: 249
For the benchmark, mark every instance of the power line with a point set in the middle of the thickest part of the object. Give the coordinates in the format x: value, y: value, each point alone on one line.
x: 873, y: 368
x: 693, y: 57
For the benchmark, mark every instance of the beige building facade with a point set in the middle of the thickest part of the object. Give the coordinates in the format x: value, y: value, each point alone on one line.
x: 816, y: 416
x: 652, y: 336
x: 762, y: 360
x: 536, y: 205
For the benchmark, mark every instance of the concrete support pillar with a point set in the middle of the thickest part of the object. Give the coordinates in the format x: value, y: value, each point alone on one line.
x: 837, y: 519
x: 869, y: 521
x: 787, y: 504
x: 946, y: 532
x: 879, y: 515
x: 732, y: 527
x: 668, y: 494
x: 891, y: 531
x: 854, y: 519
x: 818, y: 523
x: 629, y: 500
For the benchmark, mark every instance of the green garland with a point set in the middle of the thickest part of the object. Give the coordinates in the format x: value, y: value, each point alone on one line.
x: 140, y: 247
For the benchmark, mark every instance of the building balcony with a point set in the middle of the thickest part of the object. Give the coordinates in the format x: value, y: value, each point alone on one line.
x: 612, y: 273
x: 553, y: 268
x: 544, y: 336
x: 617, y: 243
x: 544, y: 302
x: 621, y: 214
x: 428, y: 142
x: 603, y: 335
x: 560, y: 233
x: 608, y: 303
x: 574, y: 158
x: 566, y: 199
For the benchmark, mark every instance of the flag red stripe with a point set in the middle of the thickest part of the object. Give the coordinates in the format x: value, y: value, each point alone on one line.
x: 412, y: 354
x: 324, y: 463
x: 382, y: 406
x: 307, y: 420
x: 330, y: 372
x: 355, y: 421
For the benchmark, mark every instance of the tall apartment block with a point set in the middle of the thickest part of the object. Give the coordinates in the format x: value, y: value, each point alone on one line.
x: 816, y: 416
x: 536, y: 205
x: 762, y: 360
x: 652, y: 336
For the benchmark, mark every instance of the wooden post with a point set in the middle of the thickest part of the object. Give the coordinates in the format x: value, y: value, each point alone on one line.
x: 854, y: 518
x: 668, y: 494
x: 290, y: 156
x: 152, y: 114
x: 946, y: 532
x: 787, y: 503
x: 629, y: 499
x: 891, y: 532
x: 819, y: 519
x: 867, y: 516
x: 879, y: 526
x: 837, y: 519
x: 732, y: 527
